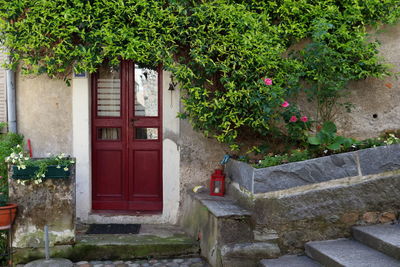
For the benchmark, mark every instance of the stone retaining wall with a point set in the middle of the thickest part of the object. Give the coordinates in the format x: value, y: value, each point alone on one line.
x: 322, y: 198
x: 358, y: 163
x: 50, y: 203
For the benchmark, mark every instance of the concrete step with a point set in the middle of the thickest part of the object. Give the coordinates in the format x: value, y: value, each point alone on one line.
x: 247, y: 254
x: 349, y: 253
x: 384, y: 237
x: 153, y: 241
x: 290, y: 261
x: 217, y: 221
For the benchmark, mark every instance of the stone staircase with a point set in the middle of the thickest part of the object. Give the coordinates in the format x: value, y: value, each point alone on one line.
x: 275, y: 211
x: 377, y: 245
x: 226, y: 232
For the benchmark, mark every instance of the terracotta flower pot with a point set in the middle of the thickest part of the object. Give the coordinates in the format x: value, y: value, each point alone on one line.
x: 7, y: 215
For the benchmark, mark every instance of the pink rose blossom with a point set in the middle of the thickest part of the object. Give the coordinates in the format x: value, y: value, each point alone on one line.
x: 285, y: 104
x: 293, y: 119
x: 268, y: 81
x: 304, y: 119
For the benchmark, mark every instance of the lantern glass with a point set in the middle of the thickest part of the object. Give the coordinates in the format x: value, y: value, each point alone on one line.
x: 217, y: 186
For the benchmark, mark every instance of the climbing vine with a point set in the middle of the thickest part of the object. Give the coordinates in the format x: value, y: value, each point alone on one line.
x: 220, y: 51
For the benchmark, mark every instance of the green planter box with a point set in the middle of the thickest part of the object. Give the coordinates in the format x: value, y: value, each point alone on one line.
x: 29, y: 172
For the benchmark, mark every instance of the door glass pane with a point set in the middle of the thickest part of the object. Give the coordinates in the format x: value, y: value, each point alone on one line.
x: 146, y: 133
x: 146, y: 92
x: 108, y: 92
x: 108, y: 133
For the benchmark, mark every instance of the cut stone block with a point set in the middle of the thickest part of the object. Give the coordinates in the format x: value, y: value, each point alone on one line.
x: 290, y: 261
x: 241, y: 173
x: 379, y: 159
x: 345, y: 252
x: 384, y: 237
x: 305, y: 172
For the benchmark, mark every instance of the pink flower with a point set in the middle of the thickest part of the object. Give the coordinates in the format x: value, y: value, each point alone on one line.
x: 285, y: 104
x: 304, y: 119
x: 293, y: 119
x: 268, y: 81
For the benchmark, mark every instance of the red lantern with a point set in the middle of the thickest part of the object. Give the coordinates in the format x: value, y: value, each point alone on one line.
x: 217, y: 183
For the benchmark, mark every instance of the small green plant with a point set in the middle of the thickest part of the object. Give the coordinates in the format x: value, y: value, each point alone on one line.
x: 293, y: 156
x: 21, y: 160
x: 326, y: 139
x: 299, y: 155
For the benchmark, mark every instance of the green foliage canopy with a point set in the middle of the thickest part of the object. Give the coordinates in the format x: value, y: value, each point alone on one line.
x: 219, y: 50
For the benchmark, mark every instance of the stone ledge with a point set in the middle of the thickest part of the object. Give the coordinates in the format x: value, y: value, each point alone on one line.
x: 359, y: 163
x: 222, y: 207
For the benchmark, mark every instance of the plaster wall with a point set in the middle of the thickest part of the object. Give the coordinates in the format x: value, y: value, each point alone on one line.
x: 44, y: 114
x: 199, y: 156
x: 376, y: 101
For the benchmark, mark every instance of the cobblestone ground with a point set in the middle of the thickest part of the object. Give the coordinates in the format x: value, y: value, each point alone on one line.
x: 184, y: 262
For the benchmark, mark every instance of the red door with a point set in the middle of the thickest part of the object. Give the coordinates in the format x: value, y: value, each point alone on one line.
x: 126, y: 138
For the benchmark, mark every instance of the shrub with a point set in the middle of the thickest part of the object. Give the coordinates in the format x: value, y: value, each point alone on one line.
x: 220, y: 51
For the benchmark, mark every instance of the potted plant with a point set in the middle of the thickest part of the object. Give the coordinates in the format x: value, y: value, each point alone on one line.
x: 7, y: 212
x: 25, y: 168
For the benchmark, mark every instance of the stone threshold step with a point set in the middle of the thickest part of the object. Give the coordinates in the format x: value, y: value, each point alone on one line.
x: 153, y: 241
x: 290, y: 261
x: 384, y: 237
x: 222, y: 207
x: 346, y: 252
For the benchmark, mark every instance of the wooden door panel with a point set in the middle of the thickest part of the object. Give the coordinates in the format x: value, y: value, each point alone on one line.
x: 146, y: 174
x: 109, y: 174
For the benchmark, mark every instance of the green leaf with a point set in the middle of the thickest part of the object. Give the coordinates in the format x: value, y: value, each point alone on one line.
x: 314, y: 140
x: 334, y: 146
x: 329, y: 127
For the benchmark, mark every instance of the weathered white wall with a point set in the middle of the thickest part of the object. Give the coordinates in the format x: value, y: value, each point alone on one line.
x: 44, y: 114
x: 374, y: 96
x: 199, y: 156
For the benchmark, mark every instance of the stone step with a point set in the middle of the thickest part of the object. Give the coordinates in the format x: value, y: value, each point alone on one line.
x: 153, y: 241
x: 217, y: 221
x: 349, y: 253
x: 384, y: 237
x: 290, y: 261
x: 248, y: 254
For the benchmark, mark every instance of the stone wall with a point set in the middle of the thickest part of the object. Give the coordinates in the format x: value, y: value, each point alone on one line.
x: 322, y: 198
x: 375, y: 100
x: 44, y: 114
x: 50, y: 203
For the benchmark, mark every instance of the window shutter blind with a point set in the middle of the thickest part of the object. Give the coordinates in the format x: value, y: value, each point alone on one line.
x: 3, y: 89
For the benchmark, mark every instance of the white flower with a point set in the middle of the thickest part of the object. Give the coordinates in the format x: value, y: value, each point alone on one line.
x: 43, y: 175
x: 325, y: 151
x: 72, y: 162
x: 26, y: 158
x: 58, y: 167
x: 18, y: 146
x: 23, y: 167
x: 66, y: 169
x: 37, y: 181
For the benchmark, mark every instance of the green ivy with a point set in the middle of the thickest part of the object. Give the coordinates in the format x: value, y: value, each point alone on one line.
x: 220, y: 51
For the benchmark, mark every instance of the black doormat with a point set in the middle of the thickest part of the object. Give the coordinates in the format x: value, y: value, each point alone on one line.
x: 96, y: 229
